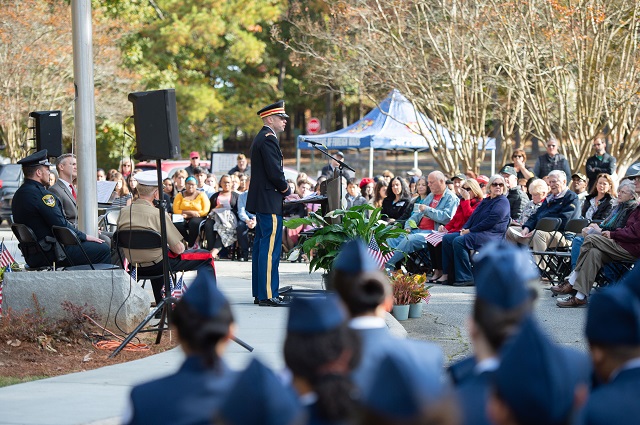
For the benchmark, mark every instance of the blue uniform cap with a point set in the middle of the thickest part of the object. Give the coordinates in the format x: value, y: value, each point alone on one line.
x: 273, y: 109
x: 535, y: 378
x: 400, y: 390
x: 501, y: 271
x: 613, y: 317
x: 204, y: 296
x: 259, y: 398
x: 36, y: 159
x: 632, y: 280
x: 354, y: 257
x: 315, y: 314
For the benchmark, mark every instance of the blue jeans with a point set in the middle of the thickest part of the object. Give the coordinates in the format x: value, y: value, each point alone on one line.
x: 412, y: 243
x: 453, y: 248
x: 575, y: 250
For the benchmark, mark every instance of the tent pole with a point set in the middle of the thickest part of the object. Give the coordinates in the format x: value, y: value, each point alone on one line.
x: 415, y: 159
x: 371, y: 161
x: 297, y: 156
x: 493, y: 162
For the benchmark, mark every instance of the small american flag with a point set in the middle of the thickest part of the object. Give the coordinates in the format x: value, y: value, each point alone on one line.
x: 380, y: 258
x: 6, y: 259
x: 179, y: 288
x: 434, y: 238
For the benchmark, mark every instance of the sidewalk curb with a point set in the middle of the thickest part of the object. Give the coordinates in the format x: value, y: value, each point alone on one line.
x: 394, y: 326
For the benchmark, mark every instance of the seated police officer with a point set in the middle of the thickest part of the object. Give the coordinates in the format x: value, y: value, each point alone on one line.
x: 35, y: 206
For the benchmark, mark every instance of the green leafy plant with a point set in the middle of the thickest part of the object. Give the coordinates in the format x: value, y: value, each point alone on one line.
x: 328, y: 238
x: 408, y: 288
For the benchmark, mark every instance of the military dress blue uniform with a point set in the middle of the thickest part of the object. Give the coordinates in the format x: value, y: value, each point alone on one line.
x: 36, y: 207
x: 267, y: 191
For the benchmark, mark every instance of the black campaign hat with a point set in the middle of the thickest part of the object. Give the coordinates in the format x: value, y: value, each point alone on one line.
x: 273, y: 109
x: 36, y: 159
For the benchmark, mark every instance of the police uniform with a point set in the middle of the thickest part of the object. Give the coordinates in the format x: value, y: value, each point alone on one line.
x: 266, y: 193
x: 613, y: 320
x: 195, y: 391
x: 143, y: 215
x: 36, y: 207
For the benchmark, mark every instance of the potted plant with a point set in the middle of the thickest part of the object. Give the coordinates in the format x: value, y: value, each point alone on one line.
x: 419, y: 294
x: 349, y: 224
x: 402, y: 286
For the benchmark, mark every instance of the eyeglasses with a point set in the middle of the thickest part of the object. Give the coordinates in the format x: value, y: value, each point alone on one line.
x: 551, y: 146
x: 497, y: 184
x: 465, y: 187
x: 126, y: 165
x: 517, y: 156
x: 194, y: 158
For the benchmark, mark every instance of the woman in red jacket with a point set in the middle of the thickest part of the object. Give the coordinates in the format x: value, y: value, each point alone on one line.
x: 471, y: 194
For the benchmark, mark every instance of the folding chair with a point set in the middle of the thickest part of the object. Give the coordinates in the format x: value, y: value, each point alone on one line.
x: 110, y: 219
x: 67, y: 237
x: 611, y: 273
x: 139, y: 239
x: 28, y: 245
x: 560, y: 257
x: 545, y: 261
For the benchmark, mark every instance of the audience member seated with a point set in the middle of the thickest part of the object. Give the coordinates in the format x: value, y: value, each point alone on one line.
x: 379, y: 193
x: 599, y: 203
x: 220, y: 227
x: 396, y: 201
x: 487, y: 223
x: 123, y: 195
x: 290, y: 237
x: 179, y: 179
x: 457, y: 181
x: 579, y: 187
x: 212, y: 181
x: 519, y: 158
x: 560, y: 203
x: 34, y: 206
x: 601, y: 162
x: 627, y: 202
x: 471, y: 195
x: 244, y: 181
x: 169, y: 191
x: 246, y: 222
x: 143, y: 215
x: 622, y: 244
x: 387, y: 175
x: 515, y: 195
x: 437, y: 209
x: 201, y: 176
x: 353, y: 196
x: 193, y: 206
x: 366, y: 188
x: 242, y: 165
x: 538, y: 189
x: 422, y: 191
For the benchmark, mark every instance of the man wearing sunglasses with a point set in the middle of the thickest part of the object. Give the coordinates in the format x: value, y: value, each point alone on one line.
x: 552, y: 160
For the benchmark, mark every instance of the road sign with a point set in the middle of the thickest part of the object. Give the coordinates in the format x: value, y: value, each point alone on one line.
x: 313, y: 126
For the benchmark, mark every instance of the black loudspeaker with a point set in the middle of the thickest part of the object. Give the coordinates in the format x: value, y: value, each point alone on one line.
x: 156, y: 121
x: 48, y: 131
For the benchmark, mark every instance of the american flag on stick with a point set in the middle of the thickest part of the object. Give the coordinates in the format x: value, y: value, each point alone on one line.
x: 179, y: 288
x: 434, y: 238
x: 380, y: 258
x: 6, y: 259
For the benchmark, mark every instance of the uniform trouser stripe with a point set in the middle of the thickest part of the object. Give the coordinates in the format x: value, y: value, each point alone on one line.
x: 274, y: 226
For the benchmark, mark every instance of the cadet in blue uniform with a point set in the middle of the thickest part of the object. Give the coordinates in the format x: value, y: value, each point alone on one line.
x: 34, y: 206
x: 193, y: 394
x: 537, y: 382
x: 366, y: 292
x: 258, y: 397
x: 267, y: 191
x: 321, y: 351
x: 502, y: 302
x: 613, y: 331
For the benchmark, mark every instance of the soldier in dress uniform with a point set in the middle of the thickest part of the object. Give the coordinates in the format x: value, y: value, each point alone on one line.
x: 258, y: 397
x: 36, y: 207
x: 267, y: 192
x: 321, y: 351
x: 537, y: 382
x: 194, y: 393
x: 366, y: 292
x: 613, y: 331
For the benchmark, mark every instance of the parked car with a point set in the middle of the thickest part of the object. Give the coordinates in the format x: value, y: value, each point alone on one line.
x: 11, y: 178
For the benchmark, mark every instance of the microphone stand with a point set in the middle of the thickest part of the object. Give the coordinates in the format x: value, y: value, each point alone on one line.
x: 337, y: 173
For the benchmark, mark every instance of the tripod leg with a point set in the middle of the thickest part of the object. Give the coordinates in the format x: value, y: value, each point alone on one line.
x: 165, y: 302
x: 165, y: 314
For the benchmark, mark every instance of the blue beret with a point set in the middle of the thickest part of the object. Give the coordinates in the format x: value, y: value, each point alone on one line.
x: 613, y: 317
x: 204, y: 296
x: 259, y: 398
x: 401, y: 389
x: 535, y: 378
x: 632, y: 279
x: 315, y: 314
x: 354, y: 257
x: 35, y: 159
x: 501, y: 271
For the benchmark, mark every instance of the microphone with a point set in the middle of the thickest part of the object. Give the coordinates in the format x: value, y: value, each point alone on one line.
x: 311, y: 142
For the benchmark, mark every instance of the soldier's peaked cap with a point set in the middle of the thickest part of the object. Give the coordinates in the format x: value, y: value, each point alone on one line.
x: 273, y: 109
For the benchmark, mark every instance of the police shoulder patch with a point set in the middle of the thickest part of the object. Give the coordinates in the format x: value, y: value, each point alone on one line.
x: 49, y: 200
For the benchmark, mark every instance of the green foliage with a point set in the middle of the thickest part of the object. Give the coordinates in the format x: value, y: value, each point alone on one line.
x: 329, y: 238
x: 112, y: 144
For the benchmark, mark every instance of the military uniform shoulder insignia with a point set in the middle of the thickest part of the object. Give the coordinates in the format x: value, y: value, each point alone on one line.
x: 49, y: 200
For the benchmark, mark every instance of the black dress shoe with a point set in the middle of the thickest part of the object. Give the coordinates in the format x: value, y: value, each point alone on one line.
x: 467, y: 283
x: 256, y: 300
x: 273, y: 302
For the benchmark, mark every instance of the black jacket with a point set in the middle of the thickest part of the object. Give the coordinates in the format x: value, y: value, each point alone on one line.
x: 268, y: 186
x: 393, y: 209
x: 595, y: 166
x: 233, y: 202
x: 603, y: 210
